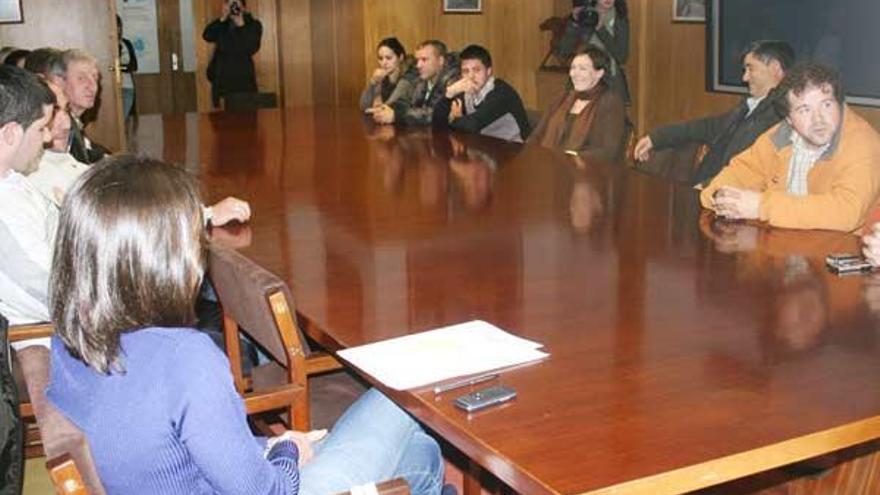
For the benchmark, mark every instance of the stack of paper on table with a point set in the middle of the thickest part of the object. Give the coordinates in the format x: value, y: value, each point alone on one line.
x: 458, y: 350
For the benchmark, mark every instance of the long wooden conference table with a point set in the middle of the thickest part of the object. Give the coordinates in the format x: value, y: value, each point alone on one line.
x: 685, y: 351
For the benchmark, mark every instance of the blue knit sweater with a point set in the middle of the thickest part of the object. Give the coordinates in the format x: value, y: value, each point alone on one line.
x: 172, y: 423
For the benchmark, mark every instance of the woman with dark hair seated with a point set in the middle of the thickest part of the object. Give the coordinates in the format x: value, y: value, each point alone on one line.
x: 155, y: 397
x: 392, y: 80
x: 588, y: 118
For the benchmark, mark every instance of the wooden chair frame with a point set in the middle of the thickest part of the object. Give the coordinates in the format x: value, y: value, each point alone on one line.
x: 295, y: 396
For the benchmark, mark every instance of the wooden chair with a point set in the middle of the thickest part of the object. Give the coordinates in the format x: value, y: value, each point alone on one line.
x: 66, y: 476
x: 70, y: 461
x: 33, y: 446
x: 260, y: 304
x: 67, y: 480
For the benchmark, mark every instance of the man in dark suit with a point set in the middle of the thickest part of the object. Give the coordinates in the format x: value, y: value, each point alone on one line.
x: 81, y: 84
x: 728, y: 134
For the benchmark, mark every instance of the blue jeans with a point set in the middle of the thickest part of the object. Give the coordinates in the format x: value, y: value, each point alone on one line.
x: 373, y: 441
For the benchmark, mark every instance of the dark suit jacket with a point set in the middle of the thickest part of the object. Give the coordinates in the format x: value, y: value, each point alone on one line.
x: 84, y: 153
x: 727, y: 134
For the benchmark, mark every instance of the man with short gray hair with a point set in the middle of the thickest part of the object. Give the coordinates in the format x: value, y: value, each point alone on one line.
x: 727, y: 134
x: 81, y: 84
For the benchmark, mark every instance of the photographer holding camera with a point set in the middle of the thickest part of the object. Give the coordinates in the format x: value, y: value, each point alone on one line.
x: 236, y: 35
x: 605, y: 24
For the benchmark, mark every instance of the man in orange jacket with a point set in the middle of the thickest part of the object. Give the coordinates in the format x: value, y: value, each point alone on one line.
x: 817, y: 169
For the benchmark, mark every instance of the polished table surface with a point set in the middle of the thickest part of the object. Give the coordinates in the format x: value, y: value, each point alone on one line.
x: 685, y: 351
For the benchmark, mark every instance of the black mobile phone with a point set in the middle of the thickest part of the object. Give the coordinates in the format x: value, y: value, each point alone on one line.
x: 484, y: 398
x: 841, y: 257
x: 845, y: 264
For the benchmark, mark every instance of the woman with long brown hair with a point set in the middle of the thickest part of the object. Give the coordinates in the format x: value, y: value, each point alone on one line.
x: 154, y: 396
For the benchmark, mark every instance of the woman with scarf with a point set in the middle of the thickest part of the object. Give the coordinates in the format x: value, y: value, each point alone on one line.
x: 589, y: 118
x: 606, y: 25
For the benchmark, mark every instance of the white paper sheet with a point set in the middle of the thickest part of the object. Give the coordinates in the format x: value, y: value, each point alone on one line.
x: 464, y: 349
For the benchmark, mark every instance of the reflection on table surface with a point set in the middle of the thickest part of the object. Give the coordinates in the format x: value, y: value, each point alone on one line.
x: 678, y: 341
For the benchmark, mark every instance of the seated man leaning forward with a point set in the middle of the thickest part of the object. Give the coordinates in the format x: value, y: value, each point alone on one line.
x: 817, y: 169
x: 481, y: 103
x: 728, y: 134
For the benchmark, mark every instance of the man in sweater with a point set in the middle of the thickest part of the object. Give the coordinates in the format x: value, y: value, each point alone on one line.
x: 481, y: 103
x: 727, y: 134
x: 818, y: 169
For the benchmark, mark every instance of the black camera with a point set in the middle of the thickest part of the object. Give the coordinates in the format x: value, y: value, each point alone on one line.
x: 235, y: 8
x: 589, y: 16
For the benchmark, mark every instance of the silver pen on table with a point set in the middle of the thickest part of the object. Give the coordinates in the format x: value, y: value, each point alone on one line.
x: 446, y: 387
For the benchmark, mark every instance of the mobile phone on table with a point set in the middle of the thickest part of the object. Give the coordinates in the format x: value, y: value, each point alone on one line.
x: 484, y: 398
x: 847, y: 263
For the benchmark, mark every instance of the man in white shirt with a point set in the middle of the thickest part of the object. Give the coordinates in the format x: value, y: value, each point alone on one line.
x: 28, y: 220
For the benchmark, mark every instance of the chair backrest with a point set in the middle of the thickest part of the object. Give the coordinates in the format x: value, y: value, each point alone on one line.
x: 60, y: 436
x: 260, y: 303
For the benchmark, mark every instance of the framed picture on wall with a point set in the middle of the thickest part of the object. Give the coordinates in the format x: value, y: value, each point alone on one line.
x: 462, y: 6
x: 10, y: 12
x: 689, y: 10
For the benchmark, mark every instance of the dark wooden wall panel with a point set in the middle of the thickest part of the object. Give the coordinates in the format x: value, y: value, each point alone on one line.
x: 295, y: 51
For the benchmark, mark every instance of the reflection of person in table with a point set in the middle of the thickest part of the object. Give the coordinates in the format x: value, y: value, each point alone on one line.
x: 474, y: 172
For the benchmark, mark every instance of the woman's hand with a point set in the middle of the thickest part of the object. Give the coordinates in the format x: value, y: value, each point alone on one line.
x: 303, y: 441
x: 378, y: 75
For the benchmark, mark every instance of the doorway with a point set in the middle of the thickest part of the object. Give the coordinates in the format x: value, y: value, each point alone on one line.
x: 162, y: 34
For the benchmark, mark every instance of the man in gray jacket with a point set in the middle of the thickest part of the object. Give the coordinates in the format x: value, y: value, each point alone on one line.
x: 728, y: 134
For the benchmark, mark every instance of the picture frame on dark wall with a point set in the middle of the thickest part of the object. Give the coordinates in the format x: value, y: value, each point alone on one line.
x: 689, y: 11
x: 10, y: 12
x: 462, y: 6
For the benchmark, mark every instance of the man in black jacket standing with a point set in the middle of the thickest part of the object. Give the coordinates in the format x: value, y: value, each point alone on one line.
x: 236, y: 35
x: 728, y: 134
